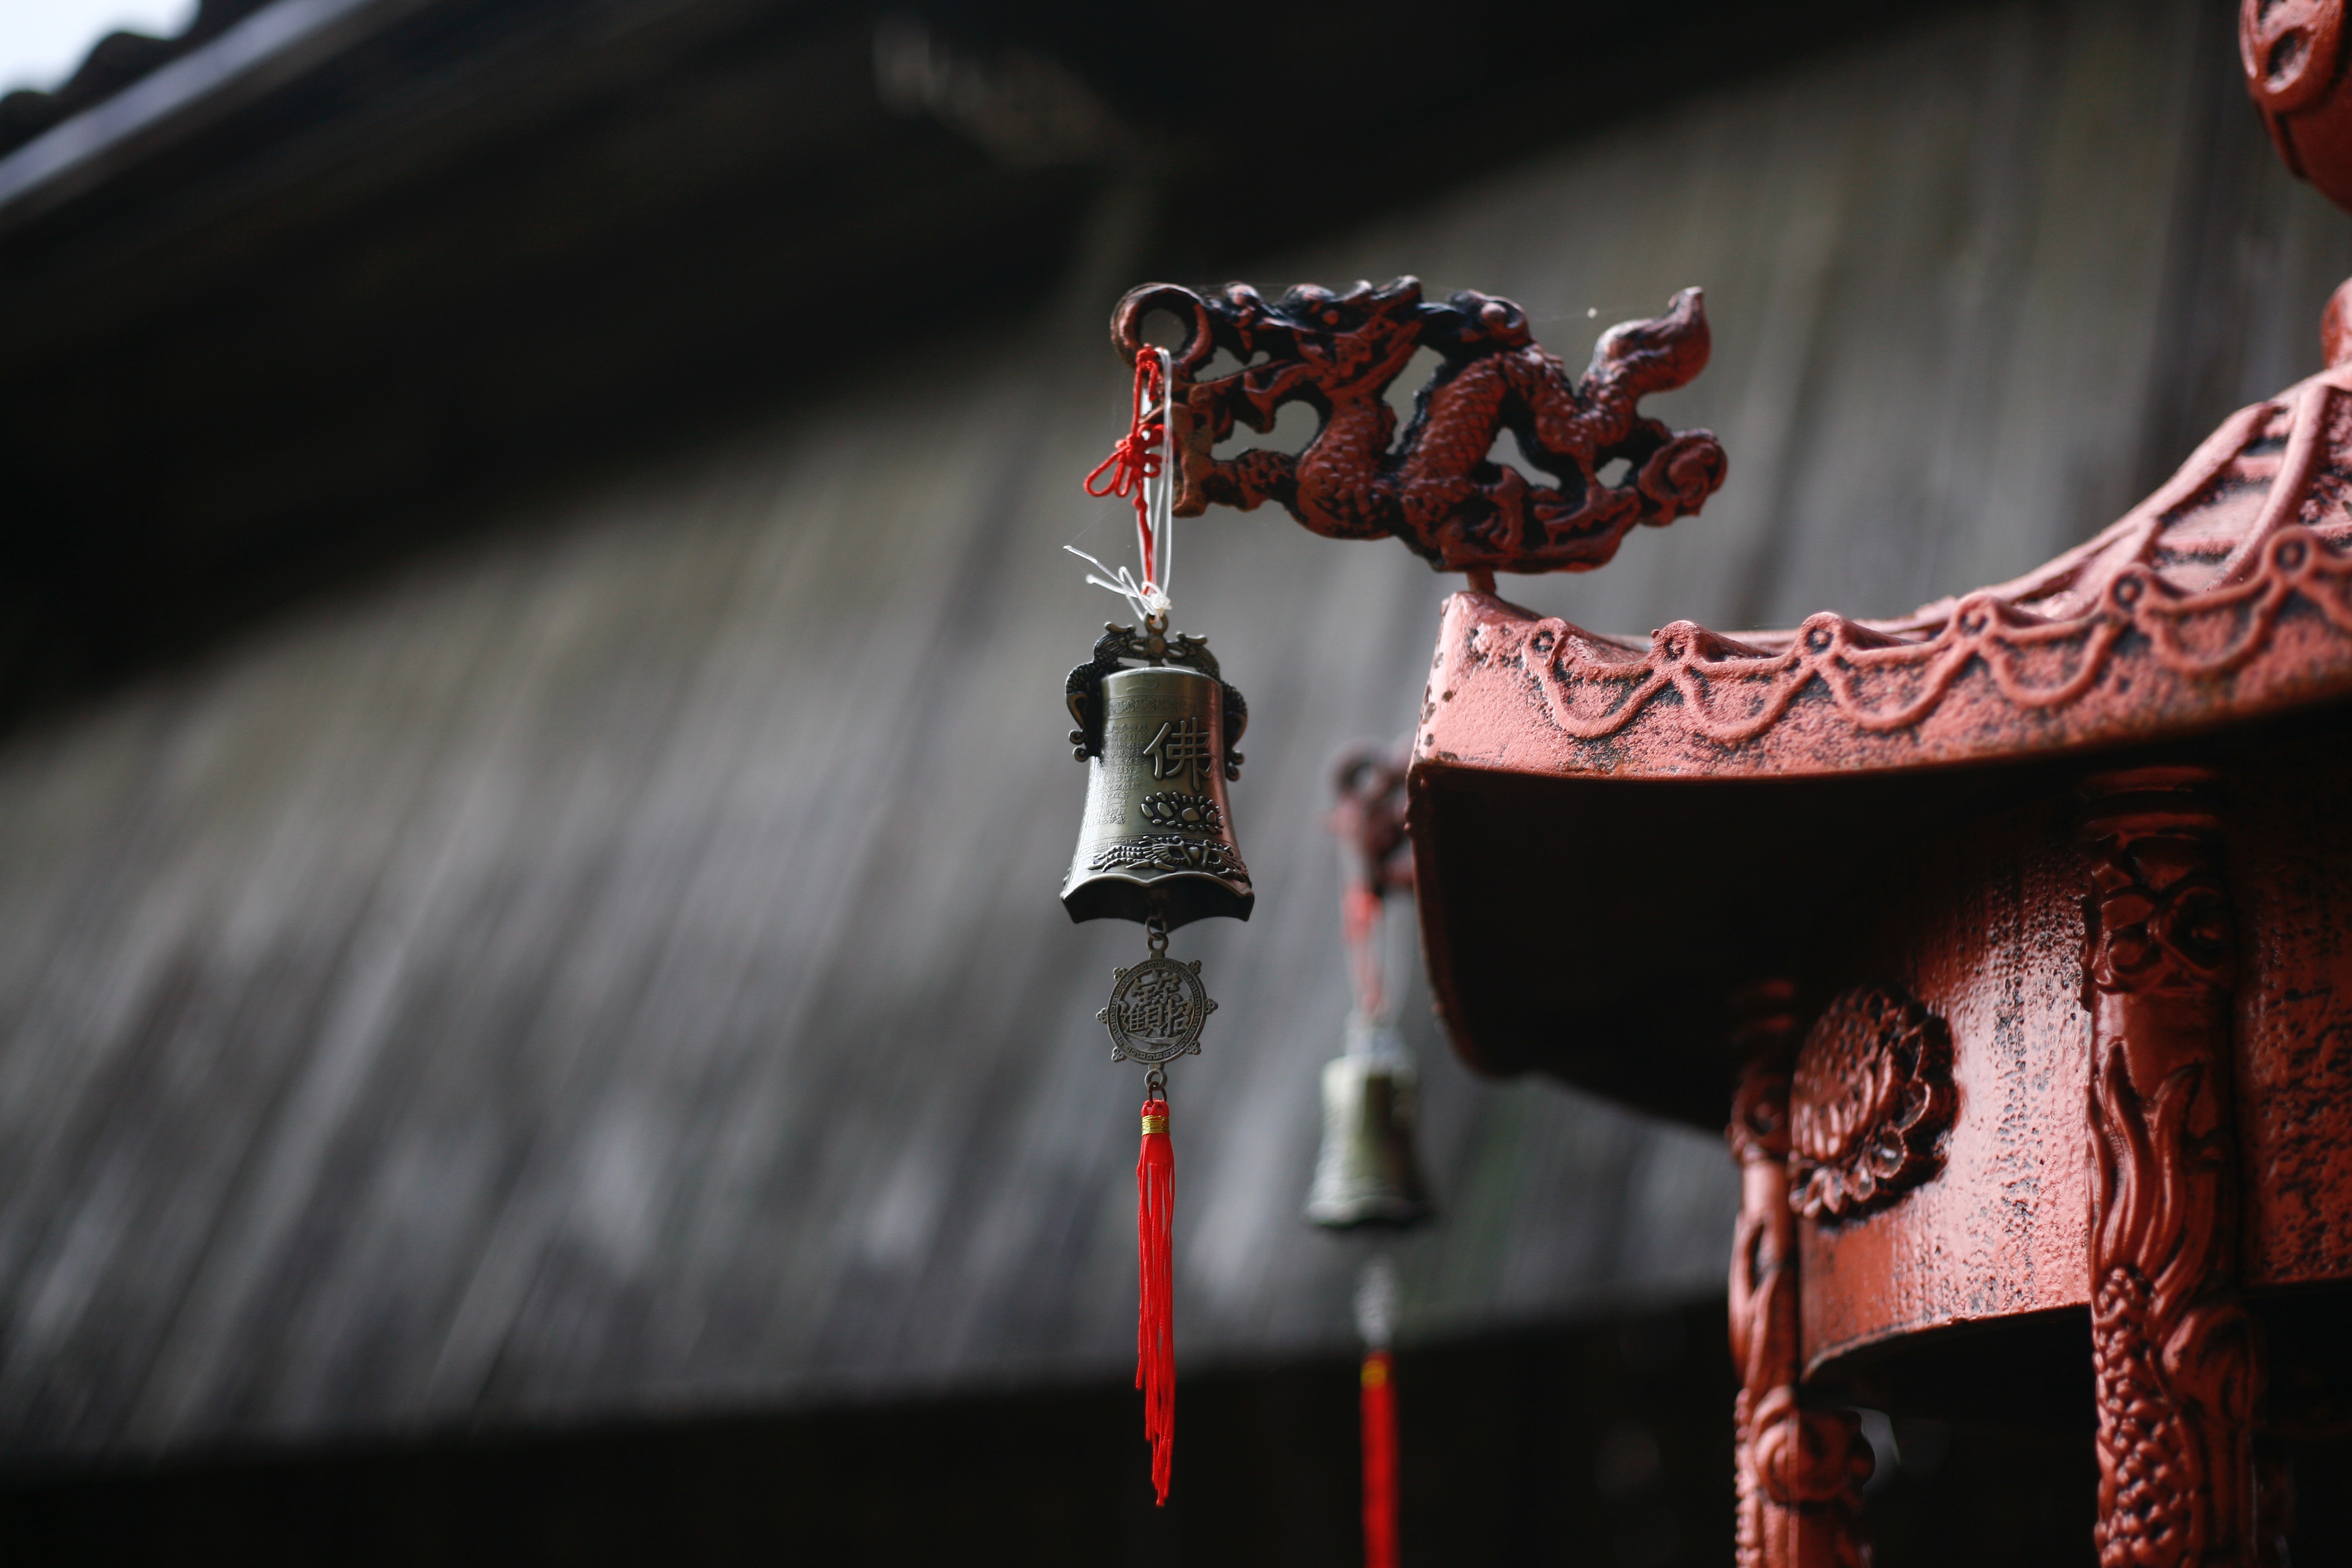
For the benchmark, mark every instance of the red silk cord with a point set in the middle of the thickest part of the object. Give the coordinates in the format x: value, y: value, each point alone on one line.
x: 1379, y: 1462
x: 1155, y: 1324
x: 1137, y: 457
x: 1360, y: 907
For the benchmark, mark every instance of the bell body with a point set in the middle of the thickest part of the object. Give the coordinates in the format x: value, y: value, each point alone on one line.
x: 1367, y: 1172
x: 1158, y: 836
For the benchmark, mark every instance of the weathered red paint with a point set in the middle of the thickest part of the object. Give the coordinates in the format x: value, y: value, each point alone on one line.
x: 1870, y: 1104
x: 2292, y: 52
x: 2178, y: 1361
x: 2018, y: 923
x: 2076, y: 841
x: 2224, y: 596
x: 1897, y: 812
x: 1798, y: 1468
x: 2289, y: 866
x: 1984, y: 926
x: 1435, y: 488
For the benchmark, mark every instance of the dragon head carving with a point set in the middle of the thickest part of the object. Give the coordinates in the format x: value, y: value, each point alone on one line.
x: 1436, y: 488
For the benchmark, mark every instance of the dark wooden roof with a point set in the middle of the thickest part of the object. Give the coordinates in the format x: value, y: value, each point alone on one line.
x: 114, y: 62
x: 346, y: 259
x: 511, y: 941
x: 616, y: 968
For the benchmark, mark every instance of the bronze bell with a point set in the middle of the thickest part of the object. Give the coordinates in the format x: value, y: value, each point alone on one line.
x: 1156, y: 728
x: 1367, y: 1172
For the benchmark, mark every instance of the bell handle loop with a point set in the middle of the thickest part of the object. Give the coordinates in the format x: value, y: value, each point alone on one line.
x: 1127, y: 323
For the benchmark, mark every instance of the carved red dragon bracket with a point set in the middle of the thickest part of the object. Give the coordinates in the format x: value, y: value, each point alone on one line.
x: 1437, y: 488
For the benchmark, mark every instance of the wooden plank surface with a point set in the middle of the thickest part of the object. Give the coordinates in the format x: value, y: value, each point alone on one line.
x: 614, y: 965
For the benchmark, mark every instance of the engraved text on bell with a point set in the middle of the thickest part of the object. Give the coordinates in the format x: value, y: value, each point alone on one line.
x: 1179, y: 751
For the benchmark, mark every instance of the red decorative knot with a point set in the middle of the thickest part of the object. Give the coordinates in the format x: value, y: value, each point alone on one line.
x: 1136, y: 458
x: 1869, y: 1102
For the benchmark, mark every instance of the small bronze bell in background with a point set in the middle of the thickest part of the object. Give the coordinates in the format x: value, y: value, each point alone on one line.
x: 1156, y: 729
x: 1367, y: 1171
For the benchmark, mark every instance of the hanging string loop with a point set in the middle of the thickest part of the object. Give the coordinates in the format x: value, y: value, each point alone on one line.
x: 1142, y: 469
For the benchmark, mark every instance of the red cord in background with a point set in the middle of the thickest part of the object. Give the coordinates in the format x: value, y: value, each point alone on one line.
x: 1379, y: 1462
x: 1155, y: 1324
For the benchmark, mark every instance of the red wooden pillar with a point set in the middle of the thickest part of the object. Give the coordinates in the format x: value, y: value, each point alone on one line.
x: 2177, y: 1363
x: 1800, y: 1471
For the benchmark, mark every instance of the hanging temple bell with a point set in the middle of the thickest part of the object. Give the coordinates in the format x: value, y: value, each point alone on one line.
x: 1366, y: 1173
x: 1156, y: 727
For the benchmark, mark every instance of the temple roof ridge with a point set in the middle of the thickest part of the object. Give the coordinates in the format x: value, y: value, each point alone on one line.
x: 2226, y: 593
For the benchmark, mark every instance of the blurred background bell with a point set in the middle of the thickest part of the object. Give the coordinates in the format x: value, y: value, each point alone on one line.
x: 1367, y: 1171
x: 1157, y: 837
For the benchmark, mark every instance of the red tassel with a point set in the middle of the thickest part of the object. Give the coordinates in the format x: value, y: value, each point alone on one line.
x: 1155, y: 1327
x: 1379, y: 1463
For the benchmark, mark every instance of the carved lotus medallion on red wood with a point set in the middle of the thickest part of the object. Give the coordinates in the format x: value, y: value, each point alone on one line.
x: 1869, y: 1103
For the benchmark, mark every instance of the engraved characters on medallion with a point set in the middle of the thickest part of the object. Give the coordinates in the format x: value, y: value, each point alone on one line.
x: 1157, y: 1010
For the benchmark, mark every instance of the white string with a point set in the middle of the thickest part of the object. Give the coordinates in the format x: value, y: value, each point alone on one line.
x: 1160, y: 501
x: 1146, y: 599
x: 1376, y: 1301
x: 1157, y: 524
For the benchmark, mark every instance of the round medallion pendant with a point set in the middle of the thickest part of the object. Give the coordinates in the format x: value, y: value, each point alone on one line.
x: 1157, y: 1011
